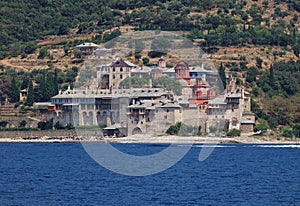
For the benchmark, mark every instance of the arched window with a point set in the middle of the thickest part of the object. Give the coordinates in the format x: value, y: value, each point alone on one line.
x: 121, y: 69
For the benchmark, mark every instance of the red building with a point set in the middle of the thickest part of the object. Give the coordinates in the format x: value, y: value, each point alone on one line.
x: 201, y: 94
x: 182, y: 71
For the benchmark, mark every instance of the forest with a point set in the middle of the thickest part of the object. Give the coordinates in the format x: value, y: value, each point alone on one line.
x: 220, y: 22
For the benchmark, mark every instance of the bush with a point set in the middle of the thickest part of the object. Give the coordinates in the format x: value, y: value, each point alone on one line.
x: 287, y: 132
x: 17, y: 105
x: 70, y: 126
x: 3, y: 123
x: 184, y: 130
x: 261, y: 126
x: 43, y: 53
x: 58, y: 125
x: 174, y: 129
x: 77, y: 54
x: 22, y: 123
x: 296, y: 130
x: 234, y: 133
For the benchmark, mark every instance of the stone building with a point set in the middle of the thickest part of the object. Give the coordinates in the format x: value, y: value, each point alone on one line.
x: 153, y: 110
x: 87, y: 107
x: 235, y: 108
x: 109, y: 76
x: 87, y: 48
x: 153, y: 117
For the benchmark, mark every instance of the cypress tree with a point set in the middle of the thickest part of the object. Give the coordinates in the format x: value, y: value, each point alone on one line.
x: 14, y: 94
x: 49, y: 86
x: 30, y: 95
x: 55, y: 82
x: 25, y: 82
x: 41, y: 90
x: 222, y: 75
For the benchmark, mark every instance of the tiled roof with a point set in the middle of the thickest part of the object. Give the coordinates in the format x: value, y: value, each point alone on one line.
x: 121, y: 63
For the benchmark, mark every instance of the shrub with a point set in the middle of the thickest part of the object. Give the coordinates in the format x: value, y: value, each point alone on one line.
x: 296, y: 130
x: 22, y: 123
x: 58, y: 125
x: 70, y: 126
x: 46, y: 125
x: 174, y: 129
x: 287, y: 132
x: 3, y: 123
x: 234, y: 133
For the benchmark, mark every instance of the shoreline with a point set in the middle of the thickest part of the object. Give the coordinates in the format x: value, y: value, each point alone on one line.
x: 147, y: 139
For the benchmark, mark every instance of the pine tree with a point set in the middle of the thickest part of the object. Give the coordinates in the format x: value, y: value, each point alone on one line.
x: 30, y: 95
x: 14, y: 94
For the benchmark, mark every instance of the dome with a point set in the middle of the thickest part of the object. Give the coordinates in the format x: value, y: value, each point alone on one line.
x: 182, y: 65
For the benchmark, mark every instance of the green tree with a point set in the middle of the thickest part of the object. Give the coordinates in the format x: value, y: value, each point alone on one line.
x: 287, y: 132
x: 58, y: 125
x: 259, y: 62
x: 55, y: 82
x: 22, y: 123
x: 262, y: 126
x: 14, y: 94
x: 25, y: 82
x: 168, y: 83
x: 138, y: 56
x: 43, y: 52
x: 145, y: 60
x: 222, y: 75
x: 296, y: 130
x: 30, y: 95
x: 134, y: 82
x: 77, y: 54
x: 174, y: 129
x: 234, y: 133
x: 30, y: 48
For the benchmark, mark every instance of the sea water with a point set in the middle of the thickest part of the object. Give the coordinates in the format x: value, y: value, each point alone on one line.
x: 64, y: 174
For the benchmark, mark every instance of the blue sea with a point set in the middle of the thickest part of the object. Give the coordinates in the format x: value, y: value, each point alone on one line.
x: 64, y: 174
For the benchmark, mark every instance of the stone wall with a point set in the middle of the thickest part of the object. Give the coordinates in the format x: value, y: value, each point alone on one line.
x: 38, y: 134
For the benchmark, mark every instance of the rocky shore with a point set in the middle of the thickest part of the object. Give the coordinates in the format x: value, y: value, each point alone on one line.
x: 70, y: 136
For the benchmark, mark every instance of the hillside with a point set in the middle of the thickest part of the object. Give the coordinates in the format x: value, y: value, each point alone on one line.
x: 245, y: 37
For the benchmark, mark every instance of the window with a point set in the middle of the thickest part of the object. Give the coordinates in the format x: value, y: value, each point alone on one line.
x: 114, y: 76
x: 121, y: 69
x: 121, y: 76
x: 114, y: 69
